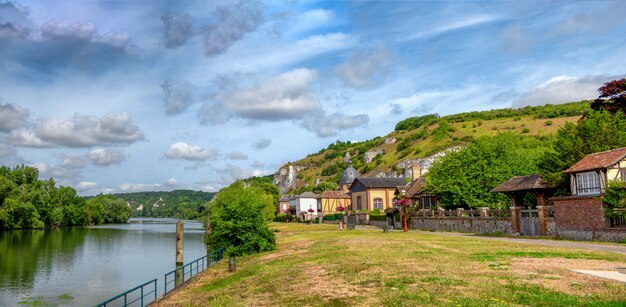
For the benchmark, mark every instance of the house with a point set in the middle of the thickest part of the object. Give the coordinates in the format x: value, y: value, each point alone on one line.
x: 590, y: 175
x: 581, y: 215
x: 283, y: 204
x: 301, y: 204
x: 330, y: 200
x: 369, y: 193
x: 415, y: 190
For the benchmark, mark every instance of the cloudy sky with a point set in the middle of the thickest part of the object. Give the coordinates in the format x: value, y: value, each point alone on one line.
x: 110, y: 96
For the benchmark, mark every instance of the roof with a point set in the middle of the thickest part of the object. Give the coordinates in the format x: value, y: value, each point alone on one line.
x: 285, y: 198
x: 348, y: 175
x: 597, y: 160
x: 379, y: 182
x: 523, y: 183
x: 415, y: 187
x: 307, y: 195
x: 333, y: 194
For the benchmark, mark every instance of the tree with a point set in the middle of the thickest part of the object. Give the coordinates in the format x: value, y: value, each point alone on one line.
x: 464, y: 178
x: 612, y: 97
x: 598, y: 131
x: 239, y: 220
x: 324, y: 186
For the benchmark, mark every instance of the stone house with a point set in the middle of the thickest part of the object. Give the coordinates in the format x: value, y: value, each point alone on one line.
x: 369, y: 193
x: 302, y: 203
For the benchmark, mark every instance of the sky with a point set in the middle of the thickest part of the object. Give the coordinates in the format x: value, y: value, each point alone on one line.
x: 126, y: 96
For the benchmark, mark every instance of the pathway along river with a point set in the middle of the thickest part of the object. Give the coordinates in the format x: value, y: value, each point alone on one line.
x: 82, y: 266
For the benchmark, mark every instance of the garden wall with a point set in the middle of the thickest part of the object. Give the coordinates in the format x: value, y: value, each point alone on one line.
x: 464, y: 224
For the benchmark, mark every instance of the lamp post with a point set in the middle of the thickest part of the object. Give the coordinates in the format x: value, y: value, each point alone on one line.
x: 405, y: 203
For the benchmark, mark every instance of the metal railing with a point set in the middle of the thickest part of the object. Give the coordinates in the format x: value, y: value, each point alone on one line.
x: 191, y: 269
x: 141, y: 299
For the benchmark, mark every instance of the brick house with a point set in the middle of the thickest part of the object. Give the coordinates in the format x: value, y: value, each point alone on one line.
x: 581, y: 215
x: 283, y: 204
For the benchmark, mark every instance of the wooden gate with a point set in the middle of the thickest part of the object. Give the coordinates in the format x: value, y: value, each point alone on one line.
x: 350, y: 222
x: 529, y: 222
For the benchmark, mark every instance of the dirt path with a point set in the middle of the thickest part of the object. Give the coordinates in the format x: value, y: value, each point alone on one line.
x: 621, y: 249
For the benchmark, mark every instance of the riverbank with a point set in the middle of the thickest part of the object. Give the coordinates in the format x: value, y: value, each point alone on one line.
x: 320, y: 265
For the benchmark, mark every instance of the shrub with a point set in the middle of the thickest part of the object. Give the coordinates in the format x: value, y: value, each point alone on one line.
x: 525, y: 130
x: 548, y: 123
x: 378, y: 217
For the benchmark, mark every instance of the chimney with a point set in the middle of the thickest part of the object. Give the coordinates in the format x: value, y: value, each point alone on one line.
x: 416, y: 170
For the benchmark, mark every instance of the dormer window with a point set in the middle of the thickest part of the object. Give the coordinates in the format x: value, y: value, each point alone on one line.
x: 588, y: 183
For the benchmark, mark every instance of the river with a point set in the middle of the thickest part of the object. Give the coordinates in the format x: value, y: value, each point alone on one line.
x: 82, y: 266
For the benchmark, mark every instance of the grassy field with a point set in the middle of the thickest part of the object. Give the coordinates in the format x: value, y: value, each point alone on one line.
x: 317, y: 265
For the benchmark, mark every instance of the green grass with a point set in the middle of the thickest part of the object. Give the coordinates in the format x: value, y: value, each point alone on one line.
x: 318, y: 265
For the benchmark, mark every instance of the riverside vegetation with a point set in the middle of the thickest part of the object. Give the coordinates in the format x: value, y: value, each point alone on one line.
x: 28, y: 202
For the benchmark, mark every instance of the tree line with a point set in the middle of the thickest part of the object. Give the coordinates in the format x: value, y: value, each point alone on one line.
x: 28, y: 202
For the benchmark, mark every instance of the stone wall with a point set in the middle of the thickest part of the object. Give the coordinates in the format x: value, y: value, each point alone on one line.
x: 578, y: 213
x: 606, y: 235
x: 464, y: 224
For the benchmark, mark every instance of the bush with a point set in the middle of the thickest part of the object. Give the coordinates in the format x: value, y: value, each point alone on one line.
x: 332, y: 217
x: 525, y: 130
x: 378, y: 217
x: 548, y: 123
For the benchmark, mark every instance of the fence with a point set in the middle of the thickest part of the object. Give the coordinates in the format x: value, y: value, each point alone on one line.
x: 452, y: 213
x: 191, y: 269
x: 187, y: 271
x: 131, y: 293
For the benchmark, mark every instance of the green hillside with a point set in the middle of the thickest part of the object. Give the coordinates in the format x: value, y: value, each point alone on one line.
x: 424, y: 136
x: 185, y: 204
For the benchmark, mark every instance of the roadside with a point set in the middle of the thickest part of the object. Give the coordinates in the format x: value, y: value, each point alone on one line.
x: 607, y: 247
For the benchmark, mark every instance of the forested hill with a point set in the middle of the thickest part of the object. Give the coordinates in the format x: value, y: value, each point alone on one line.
x: 185, y: 204
x: 421, y: 137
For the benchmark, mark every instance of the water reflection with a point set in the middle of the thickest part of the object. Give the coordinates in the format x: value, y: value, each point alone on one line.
x: 90, y: 264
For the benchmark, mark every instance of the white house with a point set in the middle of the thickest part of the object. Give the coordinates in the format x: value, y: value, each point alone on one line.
x: 303, y: 203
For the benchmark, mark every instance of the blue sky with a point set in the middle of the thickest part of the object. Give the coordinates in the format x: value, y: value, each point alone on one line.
x: 123, y: 96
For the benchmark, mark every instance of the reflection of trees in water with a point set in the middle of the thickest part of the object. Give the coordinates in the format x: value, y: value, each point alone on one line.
x: 24, y: 252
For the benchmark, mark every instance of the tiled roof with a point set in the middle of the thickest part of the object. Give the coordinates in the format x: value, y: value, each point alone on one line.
x: 523, y: 183
x: 333, y: 194
x: 415, y: 187
x: 597, y: 160
x: 286, y: 198
x: 378, y: 182
x: 307, y: 195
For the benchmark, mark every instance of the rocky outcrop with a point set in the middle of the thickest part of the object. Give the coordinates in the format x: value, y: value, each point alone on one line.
x: 390, y: 140
x: 371, y: 154
x: 286, y: 177
x: 422, y: 165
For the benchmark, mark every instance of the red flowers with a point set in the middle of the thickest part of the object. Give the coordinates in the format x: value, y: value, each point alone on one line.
x: 340, y: 208
x: 311, y: 210
x: 404, y: 202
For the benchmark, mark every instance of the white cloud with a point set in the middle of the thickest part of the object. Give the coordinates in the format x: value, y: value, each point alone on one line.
x: 86, y: 185
x: 365, y: 69
x: 171, y: 182
x: 82, y: 131
x: 231, y: 24
x: 325, y: 125
x: 235, y: 155
x: 105, y: 156
x: 50, y: 171
x: 177, y: 30
x: 12, y: 117
x: 184, y: 151
x: 63, y: 30
x: 139, y: 187
x: 455, y: 25
x: 27, y: 139
x: 73, y: 161
x: 562, y: 89
x: 262, y: 143
x: 177, y: 96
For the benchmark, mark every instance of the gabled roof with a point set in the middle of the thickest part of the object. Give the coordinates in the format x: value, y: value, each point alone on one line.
x: 523, y: 183
x: 285, y: 198
x: 415, y: 187
x: 333, y: 194
x: 307, y: 195
x: 597, y: 160
x: 379, y: 182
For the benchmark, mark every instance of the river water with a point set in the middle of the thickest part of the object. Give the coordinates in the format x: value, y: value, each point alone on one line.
x: 82, y: 266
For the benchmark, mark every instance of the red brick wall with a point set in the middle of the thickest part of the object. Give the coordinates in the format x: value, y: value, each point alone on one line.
x: 578, y: 213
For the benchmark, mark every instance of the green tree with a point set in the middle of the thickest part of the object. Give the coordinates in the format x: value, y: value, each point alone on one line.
x: 239, y: 220
x: 464, y: 178
x: 324, y: 186
x: 598, y: 131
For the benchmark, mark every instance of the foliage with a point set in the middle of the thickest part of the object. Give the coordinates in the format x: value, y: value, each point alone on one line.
x: 27, y: 202
x: 464, y: 178
x: 239, y: 216
x: 614, y: 197
x: 545, y: 111
x: 406, y: 142
x: 598, y: 131
x: 115, y: 210
x: 415, y: 122
x: 182, y: 204
x: 332, y: 217
x: 612, y: 97
x: 324, y: 186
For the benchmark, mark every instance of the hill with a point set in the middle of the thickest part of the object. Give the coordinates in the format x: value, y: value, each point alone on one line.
x: 185, y: 204
x: 421, y: 139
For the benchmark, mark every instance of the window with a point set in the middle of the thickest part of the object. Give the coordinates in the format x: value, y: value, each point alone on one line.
x: 378, y: 203
x: 427, y: 202
x: 358, y: 203
x: 284, y: 206
x: 588, y: 183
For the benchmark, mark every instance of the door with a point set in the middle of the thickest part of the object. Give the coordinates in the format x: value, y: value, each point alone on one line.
x: 529, y: 222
